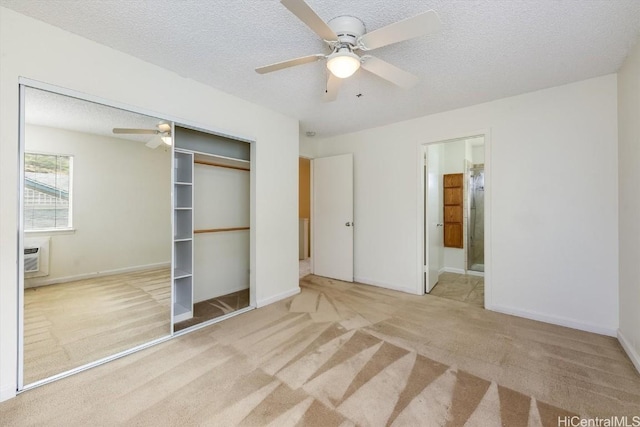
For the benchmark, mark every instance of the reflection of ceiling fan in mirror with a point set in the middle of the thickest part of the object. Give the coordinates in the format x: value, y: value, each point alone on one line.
x: 161, y: 135
x: 346, y: 35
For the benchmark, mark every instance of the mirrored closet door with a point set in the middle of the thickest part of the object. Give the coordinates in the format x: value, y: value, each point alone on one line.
x: 97, y: 234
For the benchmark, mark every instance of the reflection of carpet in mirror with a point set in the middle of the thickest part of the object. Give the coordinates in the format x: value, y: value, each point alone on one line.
x: 70, y: 324
x: 215, y: 307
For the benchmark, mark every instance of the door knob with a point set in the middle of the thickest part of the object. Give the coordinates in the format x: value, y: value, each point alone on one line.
x: 348, y: 224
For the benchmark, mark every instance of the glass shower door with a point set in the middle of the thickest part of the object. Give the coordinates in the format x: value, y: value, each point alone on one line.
x: 475, y: 254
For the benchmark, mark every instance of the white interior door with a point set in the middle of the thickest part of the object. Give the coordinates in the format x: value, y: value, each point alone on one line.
x: 333, y: 217
x: 434, y: 245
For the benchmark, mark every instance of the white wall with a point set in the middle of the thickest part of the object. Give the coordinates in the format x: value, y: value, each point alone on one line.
x: 221, y: 260
x: 454, y: 156
x: 115, y: 228
x: 552, y: 165
x: 307, y: 147
x: 477, y: 154
x: 38, y: 51
x: 629, y: 215
x: 454, y: 162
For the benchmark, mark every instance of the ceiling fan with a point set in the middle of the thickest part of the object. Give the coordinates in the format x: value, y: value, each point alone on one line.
x: 161, y: 135
x: 346, y: 35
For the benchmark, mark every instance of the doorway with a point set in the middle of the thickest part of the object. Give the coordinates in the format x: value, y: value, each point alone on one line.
x: 304, y: 216
x: 454, y: 219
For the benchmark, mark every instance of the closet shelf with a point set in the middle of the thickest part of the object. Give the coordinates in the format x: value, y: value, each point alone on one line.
x: 178, y: 274
x: 181, y: 313
x: 183, y: 236
x: 221, y: 165
x: 220, y: 230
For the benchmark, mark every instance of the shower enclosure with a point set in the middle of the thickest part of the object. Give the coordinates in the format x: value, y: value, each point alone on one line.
x: 475, y: 226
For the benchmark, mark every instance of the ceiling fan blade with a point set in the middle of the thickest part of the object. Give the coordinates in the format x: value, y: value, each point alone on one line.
x: 419, y: 25
x: 154, y: 142
x: 333, y: 86
x: 135, y: 131
x: 290, y: 63
x: 389, y: 72
x: 307, y: 15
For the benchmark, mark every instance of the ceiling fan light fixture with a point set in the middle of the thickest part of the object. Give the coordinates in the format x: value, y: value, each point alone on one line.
x: 166, y: 139
x: 343, y: 63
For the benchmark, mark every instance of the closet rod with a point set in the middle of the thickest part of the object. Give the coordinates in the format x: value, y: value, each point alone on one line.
x: 202, y: 162
x: 220, y: 230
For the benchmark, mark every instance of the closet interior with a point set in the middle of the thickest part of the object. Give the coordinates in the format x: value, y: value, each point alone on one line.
x: 211, y: 248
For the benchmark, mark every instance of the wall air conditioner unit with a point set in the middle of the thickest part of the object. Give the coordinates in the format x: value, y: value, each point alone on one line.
x: 32, y: 259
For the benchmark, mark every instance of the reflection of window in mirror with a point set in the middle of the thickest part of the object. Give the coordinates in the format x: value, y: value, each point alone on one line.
x: 47, y: 192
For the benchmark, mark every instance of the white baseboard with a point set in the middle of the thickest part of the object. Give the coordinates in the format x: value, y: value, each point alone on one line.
x: 555, y: 320
x: 475, y: 273
x: 46, y: 282
x: 378, y: 284
x: 454, y: 270
x: 630, y: 350
x: 223, y: 292
x: 7, y: 392
x: 278, y: 297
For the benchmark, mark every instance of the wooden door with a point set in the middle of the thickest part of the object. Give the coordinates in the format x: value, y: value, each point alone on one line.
x: 453, y: 205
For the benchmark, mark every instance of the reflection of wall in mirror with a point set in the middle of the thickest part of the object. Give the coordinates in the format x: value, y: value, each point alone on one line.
x: 121, y: 205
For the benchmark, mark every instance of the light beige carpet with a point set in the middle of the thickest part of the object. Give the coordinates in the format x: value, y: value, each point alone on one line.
x: 342, y: 354
x: 70, y: 324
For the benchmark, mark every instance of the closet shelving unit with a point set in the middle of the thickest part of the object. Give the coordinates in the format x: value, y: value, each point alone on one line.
x: 193, y: 147
x: 183, y: 235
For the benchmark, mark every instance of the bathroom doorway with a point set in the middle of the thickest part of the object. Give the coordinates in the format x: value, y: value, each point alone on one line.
x: 454, y: 219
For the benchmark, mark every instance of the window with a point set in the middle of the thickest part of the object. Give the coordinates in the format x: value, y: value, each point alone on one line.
x: 47, y: 191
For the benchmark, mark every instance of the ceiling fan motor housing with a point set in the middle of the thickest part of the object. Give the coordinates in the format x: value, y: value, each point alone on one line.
x: 348, y: 29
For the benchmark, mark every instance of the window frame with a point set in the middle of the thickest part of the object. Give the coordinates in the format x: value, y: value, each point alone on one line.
x: 49, y: 230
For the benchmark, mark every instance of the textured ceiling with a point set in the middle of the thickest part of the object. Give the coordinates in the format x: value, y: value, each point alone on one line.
x: 486, y: 50
x: 44, y: 108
